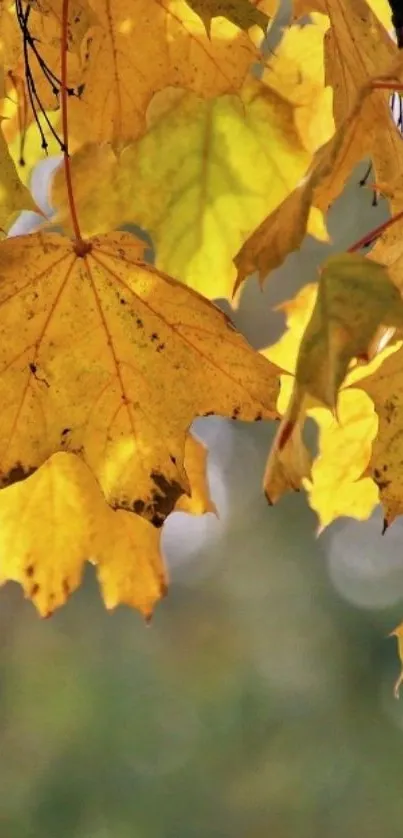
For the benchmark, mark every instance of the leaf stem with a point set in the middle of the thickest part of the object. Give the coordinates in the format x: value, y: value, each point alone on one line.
x: 375, y: 233
x: 80, y: 244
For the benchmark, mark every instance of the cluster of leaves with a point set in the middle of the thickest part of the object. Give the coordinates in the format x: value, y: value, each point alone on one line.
x: 174, y: 117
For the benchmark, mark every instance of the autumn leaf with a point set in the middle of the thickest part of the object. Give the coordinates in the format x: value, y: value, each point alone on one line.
x: 48, y: 23
x: 120, y: 79
x: 205, y: 175
x: 380, y: 8
x: 337, y: 486
x: 385, y: 387
x: 32, y: 55
x: 301, y: 211
x: 326, y: 330
x: 14, y: 196
x: 288, y: 464
x: 57, y: 519
x: 357, y: 50
x: 198, y: 502
x: 105, y: 357
x: 355, y: 297
x: 242, y: 13
x: 296, y: 72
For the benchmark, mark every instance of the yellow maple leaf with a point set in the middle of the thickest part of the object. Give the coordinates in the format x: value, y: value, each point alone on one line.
x: 48, y: 23
x: 198, y: 501
x: 120, y: 79
x: 381, y: 8
x: 336, y: 486
x: 334, y: 482
x: 57, y: 519
x: 302, y: 211
x: 104, y: 356
x: 14, y: 196
x: 296, y: 71
x: 205, y: 175
x: 32, y: 56
x: 385, y: 387
x: 355, y: 297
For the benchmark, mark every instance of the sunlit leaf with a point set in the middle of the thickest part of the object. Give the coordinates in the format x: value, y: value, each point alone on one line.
x: 56, y: 520
x: 104, y: 356
x: 205, y: 174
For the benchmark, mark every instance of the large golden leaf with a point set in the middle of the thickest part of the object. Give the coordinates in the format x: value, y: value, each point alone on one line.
x: 56, y: 520
x: 106, y: 357
x: 140, y: 47
x: 199, y: 181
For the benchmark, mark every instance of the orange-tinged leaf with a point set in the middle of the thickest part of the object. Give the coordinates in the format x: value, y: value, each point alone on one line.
x: 120, y: 79
x: 56, y: 520
x: 106, y: 357
x: 205, y: 174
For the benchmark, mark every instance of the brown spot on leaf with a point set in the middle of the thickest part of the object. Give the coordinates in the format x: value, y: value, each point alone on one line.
x: 235, y: 413
x: 34, y: 590
x: 138, y: 506
x: 380, y: 481
x: 258, y: 417
x: 66, y: 587
x: 166, y: 496
x: 29, y: 570
x: 390, y: 408
x: 16, y: 474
